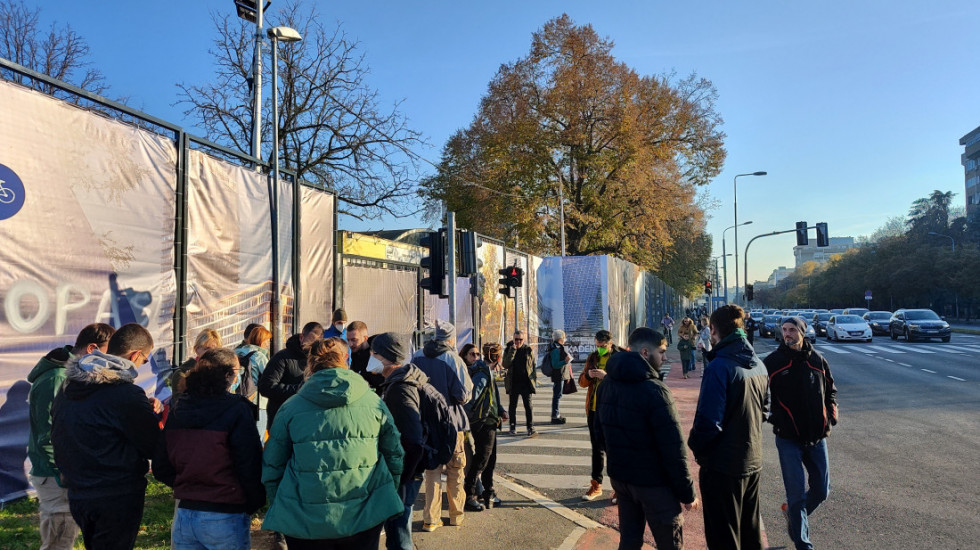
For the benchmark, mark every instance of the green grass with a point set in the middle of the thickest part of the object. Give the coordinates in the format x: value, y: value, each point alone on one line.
x: 19, y: 522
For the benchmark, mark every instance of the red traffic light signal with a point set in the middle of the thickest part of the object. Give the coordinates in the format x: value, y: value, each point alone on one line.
x: 707, y: 287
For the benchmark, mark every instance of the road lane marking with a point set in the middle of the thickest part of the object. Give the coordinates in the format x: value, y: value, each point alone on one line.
x: 889, y: 360
x: 942, y: 349
x: 572, y: 539
x: 521, y: 441
x: 553, y: 481
x: 866, y: 351
x: 547, y: 460
x: 546, y: 502
x: 916, y: 349
x: 956, y: 378
x: 961, y: 348
x: 835, y: 350
x: 972, y: 347
x: 886, y: 349
x: 929, y: 371
x: 905, y: 365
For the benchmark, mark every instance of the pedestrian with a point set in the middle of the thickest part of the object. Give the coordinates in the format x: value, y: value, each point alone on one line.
x: 401, y: 393
x: 58, y: 529
x: 638, y: 422
x: 338, y: 325
x: 254, y: 351
x: 104, y: 433
x: 805, y: 407
x: 668, y: 324
x: 485, y: 413
x: 207, y: 339
x: 248, y: 330
x: 591, y: 378
x: 447, y: 373
x: 360, y: 354
x: 285, y: 372
x: 211, y: 455
x: 561, y: 371
x: 727, y: 434
x: 704, y: 342
x: 520, y: 381
x: 687, y: 339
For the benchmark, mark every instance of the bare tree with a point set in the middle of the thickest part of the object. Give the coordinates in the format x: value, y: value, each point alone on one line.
x: 57, y: 51
x: 333, y: 131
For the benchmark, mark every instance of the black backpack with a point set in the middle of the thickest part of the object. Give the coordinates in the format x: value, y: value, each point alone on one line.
x: 247, y: 387
x: 438, y: 429
x: 547, y: 368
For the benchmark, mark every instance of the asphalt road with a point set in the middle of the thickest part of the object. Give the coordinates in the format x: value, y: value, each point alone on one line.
x: 904, y: 458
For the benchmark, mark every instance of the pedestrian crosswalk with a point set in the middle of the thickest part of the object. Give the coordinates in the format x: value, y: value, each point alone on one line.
x: 559, y: 459
x: 891, y: 348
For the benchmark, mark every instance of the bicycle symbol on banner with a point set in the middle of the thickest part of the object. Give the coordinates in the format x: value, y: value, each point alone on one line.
x: 7, y: 196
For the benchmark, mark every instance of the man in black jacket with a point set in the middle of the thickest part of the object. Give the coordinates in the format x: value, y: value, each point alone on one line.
x: 726, y: 438
x: 520, y: 380
x: 284, y: 374
x: 104, y: 432
x: 400, y: 392
x: 805, y: 407
x: 647, y: 462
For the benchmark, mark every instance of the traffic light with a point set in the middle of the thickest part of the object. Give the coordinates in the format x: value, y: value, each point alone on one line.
x: 477, y: 284
x: 512, y: 277
x: 823, y: 237
x: 435, y: 262
x: 749, y: 291
x: 707, y: 286
x: 469, y: 263
x: 801, y: 234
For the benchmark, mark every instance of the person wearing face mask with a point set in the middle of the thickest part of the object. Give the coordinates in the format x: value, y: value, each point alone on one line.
x: 211, y: 455
x: 485, y: 413
x: 253, y: 355
x: 591, y: 378
x: 333, y: 460
x: 360, y: 354
x: 647, y: 465
x: 338, y: 326
x: 805, y: 400
x: 284, y: 374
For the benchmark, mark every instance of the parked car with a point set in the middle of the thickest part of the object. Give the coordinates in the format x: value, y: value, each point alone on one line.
x: 859, y: 311
x: 819, y: 322
x: 848, y: 327
x: 918, y: 323
x: 837, y: 311
x: 769, y: 326
x: 878, y: 321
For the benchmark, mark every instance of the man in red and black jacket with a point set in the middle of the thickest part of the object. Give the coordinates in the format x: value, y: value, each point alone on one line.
x: 804, y: 407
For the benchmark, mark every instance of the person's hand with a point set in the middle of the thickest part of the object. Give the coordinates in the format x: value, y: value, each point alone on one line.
x: 505, y: 416
x: 598, y: 374
x: 695, y: 505
x: 156, y: 404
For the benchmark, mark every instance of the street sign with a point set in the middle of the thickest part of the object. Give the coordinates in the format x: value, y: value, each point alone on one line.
x: 867, y: 294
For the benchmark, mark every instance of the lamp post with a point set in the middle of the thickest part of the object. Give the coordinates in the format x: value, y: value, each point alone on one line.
x: 278, y: 34
x: 717, y: 282
x: 952, y: 244
x: 735, y: 197
x: 252, y: 11
x: 725, y: 256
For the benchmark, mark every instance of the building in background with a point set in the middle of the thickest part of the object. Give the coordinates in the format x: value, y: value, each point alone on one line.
x: 810, y: 252
x: 777, y: 275
x: 970, y: 159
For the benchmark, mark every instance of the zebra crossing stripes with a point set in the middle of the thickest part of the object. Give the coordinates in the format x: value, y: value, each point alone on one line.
x: 546, y: 460
x: 943, y: 349
x: 552, y: 481
x: 886, y: 349
x: 833, y: 349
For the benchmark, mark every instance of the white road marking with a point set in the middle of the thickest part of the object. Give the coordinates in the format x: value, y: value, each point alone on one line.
x: 886, y: 349
x: 542, y: 500
x: 956, y: 378
x: 918, y: 349
x: 521, y: 441
x: 961, y: 348
x: 889, y: 360
x: 548, y: 460
x: 942, y: 349
x: 905, y: 364
x: 835, y: 350
x: 862, y: 349
x: 929, y: 371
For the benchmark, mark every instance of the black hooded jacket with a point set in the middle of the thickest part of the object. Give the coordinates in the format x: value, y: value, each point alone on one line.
x: 637, y: 419
x: 804, y: 397
x: 283, y: 376
x: 400, y: 392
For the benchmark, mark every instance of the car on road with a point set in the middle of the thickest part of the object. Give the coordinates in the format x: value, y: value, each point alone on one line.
x: 878, y: 320
x: 769, y: 326
x: 819, y: 322
x: 848, y: 327
x: 916, y: 324
x: 859, y: 311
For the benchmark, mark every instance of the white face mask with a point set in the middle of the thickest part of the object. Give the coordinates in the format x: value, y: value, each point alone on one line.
x: 375, y: 366
x: 339, y: 327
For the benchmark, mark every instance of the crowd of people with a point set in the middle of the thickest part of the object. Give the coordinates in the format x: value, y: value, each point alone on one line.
x: 357, y: 425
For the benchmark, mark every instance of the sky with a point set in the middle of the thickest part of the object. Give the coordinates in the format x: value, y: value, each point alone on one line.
x: 854, y: 108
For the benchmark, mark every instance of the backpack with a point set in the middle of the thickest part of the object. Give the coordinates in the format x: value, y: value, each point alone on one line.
x: 483, y: 409
x: 247, y: 387
x: 438, y: 430
x: 547, y: 368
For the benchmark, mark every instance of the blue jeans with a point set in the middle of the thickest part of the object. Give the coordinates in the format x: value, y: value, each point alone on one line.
x: 197, y: 530
x: 555, y: 398
x: 398, y: 530
x: 801, y: 503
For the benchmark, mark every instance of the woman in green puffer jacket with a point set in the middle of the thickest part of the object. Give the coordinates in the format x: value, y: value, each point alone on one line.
x: 334, y: 458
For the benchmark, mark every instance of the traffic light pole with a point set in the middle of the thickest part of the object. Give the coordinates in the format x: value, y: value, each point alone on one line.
x: 745, y: 257
x: 451, y: 265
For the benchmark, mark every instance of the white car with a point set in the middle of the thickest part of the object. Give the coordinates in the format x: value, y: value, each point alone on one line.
x: 848, y: 327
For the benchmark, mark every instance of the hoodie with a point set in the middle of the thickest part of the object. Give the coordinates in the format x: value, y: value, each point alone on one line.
x: 401, y: 394
x: 104, y: 431
x: 638, y: 421
x: 803, y: 393
x: 46, y: 380
x: 734, y: 402
x: 447, y: 373
x: 333, y: 460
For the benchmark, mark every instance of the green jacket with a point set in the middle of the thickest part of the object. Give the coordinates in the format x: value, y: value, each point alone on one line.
x: 46, y: 380
x: 333, y: 461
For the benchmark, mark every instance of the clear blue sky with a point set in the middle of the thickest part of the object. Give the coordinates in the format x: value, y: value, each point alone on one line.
x: 854, y: 108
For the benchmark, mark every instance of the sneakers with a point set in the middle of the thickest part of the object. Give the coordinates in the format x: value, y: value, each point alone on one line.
x: 278, y: 541
x: 532, y: 434
x: 559, y: 420
x: 473, y: 505
x: 490, y: 499
x: 457, y: 521
x: 785, y: 510
x: 614, y: 500
x: 594, y: 492
x: 513, y: 430
x: 430, y: 527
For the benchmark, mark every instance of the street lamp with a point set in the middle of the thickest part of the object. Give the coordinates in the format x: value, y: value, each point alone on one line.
x: 735, y: 200
x: 725, y: 261
x: 252, y: 11
x: 953, y: 243
x: 717, y: 282
x: 278, y: 34
x: 956, y: 295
